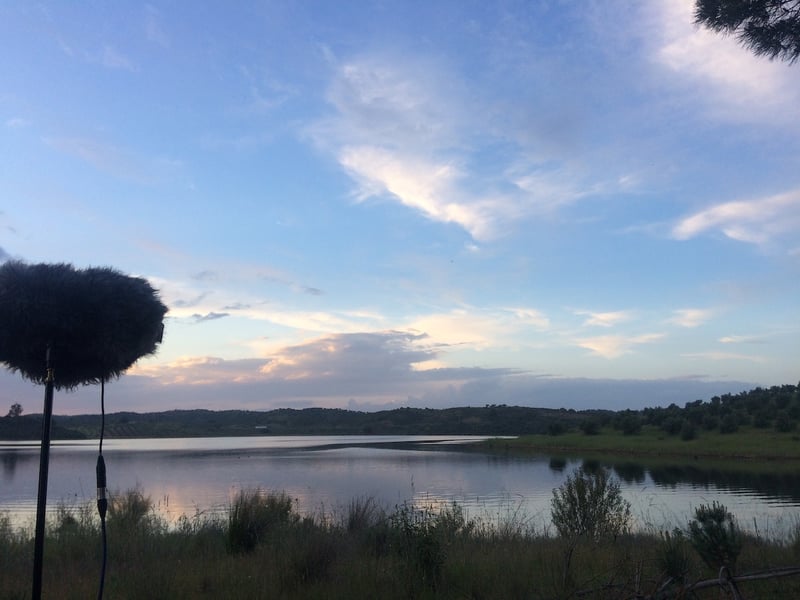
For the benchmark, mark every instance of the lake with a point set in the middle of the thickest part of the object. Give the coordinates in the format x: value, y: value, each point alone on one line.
x: 324, y: 473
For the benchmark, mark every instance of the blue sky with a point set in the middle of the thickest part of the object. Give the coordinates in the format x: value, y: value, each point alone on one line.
x: 381, y: 204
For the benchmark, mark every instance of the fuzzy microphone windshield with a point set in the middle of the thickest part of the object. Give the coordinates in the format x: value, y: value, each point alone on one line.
x: 95, y: 322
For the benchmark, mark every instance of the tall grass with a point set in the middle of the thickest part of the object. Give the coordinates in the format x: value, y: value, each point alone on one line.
x: 253, y: 515
x: 367, y: 551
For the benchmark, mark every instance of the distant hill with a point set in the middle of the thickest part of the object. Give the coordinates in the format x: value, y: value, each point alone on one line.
x: 777, y: 407
x: 488, y: 420
x: 29, y: 427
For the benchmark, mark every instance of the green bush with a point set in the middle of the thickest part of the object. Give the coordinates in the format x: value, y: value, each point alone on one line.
x: 589, y: 504
x: 715, y: 536
x: 253, y: 514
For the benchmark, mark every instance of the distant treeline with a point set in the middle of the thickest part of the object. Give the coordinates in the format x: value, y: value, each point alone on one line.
x: 488, y: 420
x: 777, y: 407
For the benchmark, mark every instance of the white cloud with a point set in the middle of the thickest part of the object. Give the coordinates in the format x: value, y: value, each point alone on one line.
x: 691, y: 317
x: 614, y: 346
x: 406, y: 129
x: 200, y: 370
x: 734, y: 83
x: 757, y: 221
x: 741, y: 339
x: 605, y: 319
x: 427, y: 187
x: 479, y: 329
x: 531, y: 316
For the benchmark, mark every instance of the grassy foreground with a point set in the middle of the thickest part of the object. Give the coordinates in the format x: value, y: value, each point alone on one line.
x: 747, y: 443
x: 263, y: 549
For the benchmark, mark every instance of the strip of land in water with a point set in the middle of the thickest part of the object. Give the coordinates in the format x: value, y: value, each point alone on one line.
x: 745, y: 444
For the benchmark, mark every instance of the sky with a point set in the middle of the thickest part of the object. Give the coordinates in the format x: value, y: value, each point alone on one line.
x: 389, y: 203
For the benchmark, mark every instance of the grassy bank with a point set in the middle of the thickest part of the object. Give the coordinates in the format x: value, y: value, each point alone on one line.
x: 746, y: 443
x: 263, y: 549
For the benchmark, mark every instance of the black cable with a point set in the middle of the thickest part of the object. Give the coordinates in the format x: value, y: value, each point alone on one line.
x: 102, y: 501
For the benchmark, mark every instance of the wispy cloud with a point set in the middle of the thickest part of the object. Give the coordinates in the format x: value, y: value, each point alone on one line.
x: 16, y: 123
x: 112, y: 58
x: 691, y: 317
x: 605, y: 319
x: 614, y: 346
x: 201, y: 370
x: 154, y: 27
x: 403, y: 133
x: 730, y: 79
x: 757, y: 221
x: 117, y: 160
x: 742, y: 339
x: 423, y: 185
x: 212, y: 316
x: 720, y: 356
x: 478, y: 328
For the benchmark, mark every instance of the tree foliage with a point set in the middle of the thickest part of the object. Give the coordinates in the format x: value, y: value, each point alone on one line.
x: 15, y: 410
x: 767, y: 27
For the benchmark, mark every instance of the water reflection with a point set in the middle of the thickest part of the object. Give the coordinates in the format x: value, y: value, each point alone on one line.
x: 326, y: 473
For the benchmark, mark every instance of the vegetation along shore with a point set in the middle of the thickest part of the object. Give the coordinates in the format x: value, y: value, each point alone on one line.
x: 263, y: 548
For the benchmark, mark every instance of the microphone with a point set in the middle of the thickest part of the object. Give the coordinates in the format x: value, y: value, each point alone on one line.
x: 102, y: 500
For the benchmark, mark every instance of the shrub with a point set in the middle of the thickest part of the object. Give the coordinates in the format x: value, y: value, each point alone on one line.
x: 710, y: 422
x: 589, y: 427
x: 253, y: 514
x: 688, y: 431
x: 590, y: 504
x: 715, y: 535
x: 783, y: 423
x: 363, y: 514
x: 729, y: 424
x: 630, y: 425
x: 366, y: 520
x: 422, y: 537
x: 673, y: 556
x: 311, y: 552
x: 671, y: 425
x: 131, y: 510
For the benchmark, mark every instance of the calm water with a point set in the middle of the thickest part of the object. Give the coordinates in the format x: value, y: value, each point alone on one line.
x: 184, y: 476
